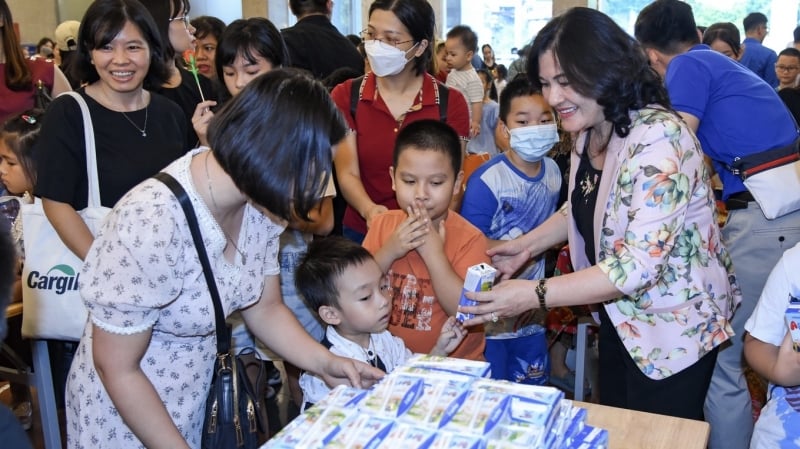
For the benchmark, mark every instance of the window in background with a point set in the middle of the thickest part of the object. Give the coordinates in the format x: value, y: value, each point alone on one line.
x: 504, y: 24
x: 347, y: 16
x: 783, y: 15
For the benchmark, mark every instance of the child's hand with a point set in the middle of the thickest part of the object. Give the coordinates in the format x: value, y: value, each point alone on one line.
x: 450, y: 337
x: 410, y: 234
x: 474, y: 129
x: 434, y: 243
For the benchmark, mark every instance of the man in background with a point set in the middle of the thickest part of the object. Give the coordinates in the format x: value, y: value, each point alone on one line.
x: 314, y: 44
x: 757, y: 57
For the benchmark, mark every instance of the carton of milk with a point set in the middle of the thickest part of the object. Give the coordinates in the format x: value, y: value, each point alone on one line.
x: 479, y: 278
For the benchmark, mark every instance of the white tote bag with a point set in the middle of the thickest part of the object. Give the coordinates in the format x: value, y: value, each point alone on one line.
x: 52, y: 304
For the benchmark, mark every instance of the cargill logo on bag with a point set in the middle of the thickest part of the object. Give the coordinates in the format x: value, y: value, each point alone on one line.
x: 59, y: 278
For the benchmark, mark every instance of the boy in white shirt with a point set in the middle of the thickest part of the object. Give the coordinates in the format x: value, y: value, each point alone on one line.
x: 341, y: 281
x: 461, y: 45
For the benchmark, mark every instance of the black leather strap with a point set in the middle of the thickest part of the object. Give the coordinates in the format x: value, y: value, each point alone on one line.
x: 223, y: 335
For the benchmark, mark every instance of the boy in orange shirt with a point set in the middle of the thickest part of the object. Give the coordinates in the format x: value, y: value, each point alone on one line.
x: 425, y: 248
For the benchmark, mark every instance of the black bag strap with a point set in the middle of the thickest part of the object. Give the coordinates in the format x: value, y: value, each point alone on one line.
x: 443, y: 93
x: 223, y: 335
x: 355, y: 94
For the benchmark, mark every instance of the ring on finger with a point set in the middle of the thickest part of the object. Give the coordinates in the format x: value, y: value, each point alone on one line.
x: 494, y: 317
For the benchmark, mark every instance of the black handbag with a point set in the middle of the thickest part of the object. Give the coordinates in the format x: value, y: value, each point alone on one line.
x: 233, y: 417
x: 42, y: 97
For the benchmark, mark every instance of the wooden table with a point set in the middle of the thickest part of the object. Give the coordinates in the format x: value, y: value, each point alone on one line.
x: 628, y: 429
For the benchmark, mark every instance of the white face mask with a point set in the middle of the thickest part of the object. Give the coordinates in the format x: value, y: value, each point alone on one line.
x: 532, y: 143
x: 385, y: 59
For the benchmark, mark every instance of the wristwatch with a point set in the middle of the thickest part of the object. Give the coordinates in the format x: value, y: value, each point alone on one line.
x: 541, y: 291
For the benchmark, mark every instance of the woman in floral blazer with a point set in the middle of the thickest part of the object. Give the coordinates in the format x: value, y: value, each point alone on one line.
x: 640, y: 220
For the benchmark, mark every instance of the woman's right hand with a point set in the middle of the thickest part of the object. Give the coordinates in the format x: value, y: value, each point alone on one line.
x: 200, y: 119
x: 508, y: 257
x: 374, y: 211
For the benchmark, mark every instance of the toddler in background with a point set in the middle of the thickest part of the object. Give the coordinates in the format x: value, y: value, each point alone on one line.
x: 18, y: 174
x: 461, y: 44
x: 341, y: 281
x: 484, y: 142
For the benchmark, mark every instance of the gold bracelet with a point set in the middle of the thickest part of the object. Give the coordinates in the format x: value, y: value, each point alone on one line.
x: 541, y: 291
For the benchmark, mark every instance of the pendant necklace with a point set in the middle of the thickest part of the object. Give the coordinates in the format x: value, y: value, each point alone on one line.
x: 214, y: 202
x: 143, y: 129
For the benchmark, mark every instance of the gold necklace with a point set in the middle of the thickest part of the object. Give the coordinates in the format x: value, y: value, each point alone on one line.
x: 214, y: 202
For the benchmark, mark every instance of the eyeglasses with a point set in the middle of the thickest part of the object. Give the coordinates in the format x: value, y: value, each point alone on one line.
x: 184, y: 18
x: 786, y: 68
x: 367, y: 35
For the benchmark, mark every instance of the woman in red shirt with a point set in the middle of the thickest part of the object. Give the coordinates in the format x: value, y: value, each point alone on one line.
x: 19, y: 75
x: 398, y: 91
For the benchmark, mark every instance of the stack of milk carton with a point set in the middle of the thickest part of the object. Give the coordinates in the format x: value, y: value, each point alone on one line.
x: 441, y: 403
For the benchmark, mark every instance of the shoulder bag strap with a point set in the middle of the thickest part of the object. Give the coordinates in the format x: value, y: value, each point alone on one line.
x: 355, y: 94
x: 223, y: 337
x: 91, y: 154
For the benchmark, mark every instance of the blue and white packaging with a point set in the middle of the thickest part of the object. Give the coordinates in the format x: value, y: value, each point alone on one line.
x: 479, y: 278
x: 393, y: 396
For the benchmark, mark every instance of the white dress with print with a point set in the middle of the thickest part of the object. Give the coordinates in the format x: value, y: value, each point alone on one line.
x: 143, y: 272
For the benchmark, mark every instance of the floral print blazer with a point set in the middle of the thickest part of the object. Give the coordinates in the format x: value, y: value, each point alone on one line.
x: 659, y: 244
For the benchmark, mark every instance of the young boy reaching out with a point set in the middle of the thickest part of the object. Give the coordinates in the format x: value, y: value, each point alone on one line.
x: 342, y: 282
x: 424, y: 248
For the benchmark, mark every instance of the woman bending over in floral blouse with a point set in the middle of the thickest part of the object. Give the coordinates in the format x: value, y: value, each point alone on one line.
x: 640, y: 221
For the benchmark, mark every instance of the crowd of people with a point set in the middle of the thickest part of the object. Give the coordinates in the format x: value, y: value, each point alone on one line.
x: 333, y: 185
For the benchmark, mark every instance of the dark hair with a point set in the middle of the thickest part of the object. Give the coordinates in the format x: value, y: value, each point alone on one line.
x: 303, y: 7
x: 483, y: 47
x: 274, y: 139
x: 753, y: 20
x: 429, y: 135
x: 502, y: 71
x: 205, y: 25
x: 355, y: 40
x: 601, y: 61
x: 418, y: 17
x: 44, y: 41
x: 251, y: 38
x: 490, y: 80
x: 667, y: 26
x: 796, y: 34
x: 518, y: 87
x: 726, y: 32
x: 791, y: 51
x: 163, y: 11
x: 19, y: 134
x: 104, y: 19
x: 339, y: 76
x: 18, y: 74
x: 468, y: 38
x: 326, y: 261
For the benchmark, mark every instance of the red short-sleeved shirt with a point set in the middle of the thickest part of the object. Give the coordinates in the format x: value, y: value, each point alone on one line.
x: 15, y: 102
x: 376, y: 130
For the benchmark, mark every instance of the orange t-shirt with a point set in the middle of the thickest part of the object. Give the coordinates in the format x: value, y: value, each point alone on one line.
x: 416, y: 315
